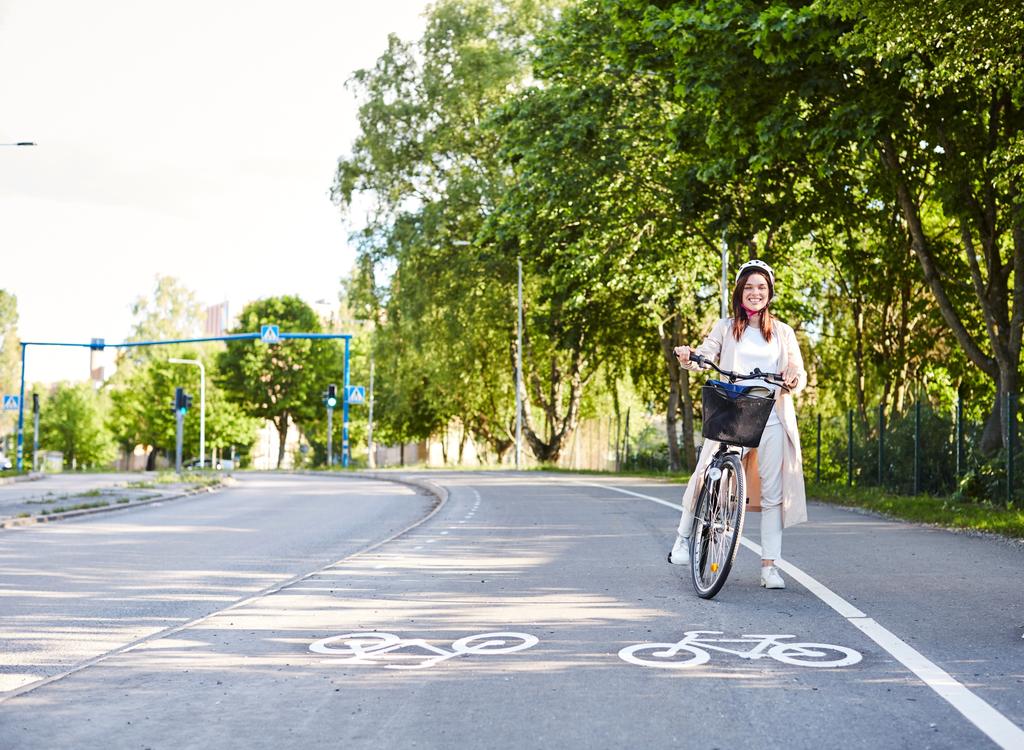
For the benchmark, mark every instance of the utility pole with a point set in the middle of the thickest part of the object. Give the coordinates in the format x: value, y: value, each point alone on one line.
x: 371, y: 459
x: 35, y: 431
x: 725, y: 277
x: 519, y: 367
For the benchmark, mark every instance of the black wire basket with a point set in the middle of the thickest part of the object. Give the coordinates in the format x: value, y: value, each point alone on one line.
x: 735, y: 414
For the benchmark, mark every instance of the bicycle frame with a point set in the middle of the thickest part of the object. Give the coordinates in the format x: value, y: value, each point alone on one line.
x: 692, y: 638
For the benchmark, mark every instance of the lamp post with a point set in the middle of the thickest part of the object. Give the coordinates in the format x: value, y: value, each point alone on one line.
x: 202, y: 404
x: 725, y: 277
x: 519, y: 365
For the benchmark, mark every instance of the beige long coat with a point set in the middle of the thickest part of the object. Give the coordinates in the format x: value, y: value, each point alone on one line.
x: 720, y: 346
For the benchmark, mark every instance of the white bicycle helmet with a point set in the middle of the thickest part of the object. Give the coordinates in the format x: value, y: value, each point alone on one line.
x: 761, y: 266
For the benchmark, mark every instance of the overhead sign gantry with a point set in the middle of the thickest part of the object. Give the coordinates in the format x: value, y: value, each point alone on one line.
x: 269, y: 334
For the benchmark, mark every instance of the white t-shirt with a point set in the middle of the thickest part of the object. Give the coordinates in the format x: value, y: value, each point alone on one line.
x: 752, y: 351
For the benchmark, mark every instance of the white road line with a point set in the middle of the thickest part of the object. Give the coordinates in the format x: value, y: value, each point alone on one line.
x: 442, y: 497
x: 997, y: 727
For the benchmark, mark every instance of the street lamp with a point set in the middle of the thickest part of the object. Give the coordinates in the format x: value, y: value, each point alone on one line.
x: 519, y: 366
x: 202, y: 404
x: 725, y: 277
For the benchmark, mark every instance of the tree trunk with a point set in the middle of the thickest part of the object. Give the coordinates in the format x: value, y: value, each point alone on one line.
x: 1005, y: 344
x: 282, y: 437
x: 671, y: 425
x: 689, y: 447
x: 858, y: 359
x: 560, y: 424
x: 670, y: 337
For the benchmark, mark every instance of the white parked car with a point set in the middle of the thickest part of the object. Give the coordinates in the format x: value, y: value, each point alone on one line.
x: 5, y: 462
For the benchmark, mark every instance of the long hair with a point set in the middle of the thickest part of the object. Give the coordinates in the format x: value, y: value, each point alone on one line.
x: 739, y: 315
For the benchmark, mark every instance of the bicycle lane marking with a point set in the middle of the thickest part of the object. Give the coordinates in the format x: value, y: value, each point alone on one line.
x: 997, y: 727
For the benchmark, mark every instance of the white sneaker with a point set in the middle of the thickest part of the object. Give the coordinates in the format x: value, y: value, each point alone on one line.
x: 680, y: 554
x: 771, y: 578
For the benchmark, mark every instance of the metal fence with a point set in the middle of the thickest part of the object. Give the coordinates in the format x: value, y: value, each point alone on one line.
x: 923, y: 450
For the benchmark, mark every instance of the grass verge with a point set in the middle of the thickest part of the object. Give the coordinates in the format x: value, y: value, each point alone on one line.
x: 941, y: 511
x: 196, y: 479
x: 79, y: 506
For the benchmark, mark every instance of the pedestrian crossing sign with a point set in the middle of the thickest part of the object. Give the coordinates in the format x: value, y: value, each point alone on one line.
x: 270, y: 334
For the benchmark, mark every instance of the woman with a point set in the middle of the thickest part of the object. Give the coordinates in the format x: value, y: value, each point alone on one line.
x: 751, y: 338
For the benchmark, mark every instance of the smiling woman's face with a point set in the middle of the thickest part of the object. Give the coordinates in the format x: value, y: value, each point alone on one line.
x: 756, y: 292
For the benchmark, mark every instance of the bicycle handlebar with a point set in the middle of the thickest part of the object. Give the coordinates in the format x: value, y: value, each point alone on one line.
x: 734, y: 376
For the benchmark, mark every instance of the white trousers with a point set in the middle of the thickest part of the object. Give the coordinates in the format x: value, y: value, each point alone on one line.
x: 770, y: 454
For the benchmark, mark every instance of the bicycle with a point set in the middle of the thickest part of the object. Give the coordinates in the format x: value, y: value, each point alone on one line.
x: 695, y: 651
x: 735, y: 416
x: 365, y: 647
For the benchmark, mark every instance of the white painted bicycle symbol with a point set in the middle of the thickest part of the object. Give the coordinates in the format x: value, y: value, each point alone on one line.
x: 369, y: 647
x: 693, y: 650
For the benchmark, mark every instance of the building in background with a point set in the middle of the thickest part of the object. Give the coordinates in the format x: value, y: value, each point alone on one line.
x: 217, y: 320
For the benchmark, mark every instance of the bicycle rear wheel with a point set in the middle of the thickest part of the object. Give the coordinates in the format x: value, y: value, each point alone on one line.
x: 717, y: 525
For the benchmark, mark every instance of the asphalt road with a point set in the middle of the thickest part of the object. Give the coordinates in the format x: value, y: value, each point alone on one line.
x: 926, y: 625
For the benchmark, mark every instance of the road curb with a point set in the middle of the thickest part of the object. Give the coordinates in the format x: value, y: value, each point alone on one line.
x: 16, y: 522
x: 441, y: 493
x: 30, y: 477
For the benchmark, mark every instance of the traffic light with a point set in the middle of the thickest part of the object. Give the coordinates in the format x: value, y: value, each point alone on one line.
x: 331, y: 397
x: 182, y: 401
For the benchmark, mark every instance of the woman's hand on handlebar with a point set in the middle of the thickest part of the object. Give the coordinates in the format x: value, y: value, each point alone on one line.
x: 790, y: 377
x: 682, y: 354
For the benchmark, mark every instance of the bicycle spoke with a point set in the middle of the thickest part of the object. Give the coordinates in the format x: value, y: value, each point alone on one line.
x: 717, y: 528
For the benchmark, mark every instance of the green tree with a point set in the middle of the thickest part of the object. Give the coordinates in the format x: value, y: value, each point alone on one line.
x: 789, y: 101
x: 172, y: 312
x: 428, y: 168
x: 71, y: 420
x: 141, y: 412
x: 282, y: 382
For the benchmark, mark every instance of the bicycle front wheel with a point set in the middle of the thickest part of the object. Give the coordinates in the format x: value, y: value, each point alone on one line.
x: 717, y: 525
x: 664, y: 655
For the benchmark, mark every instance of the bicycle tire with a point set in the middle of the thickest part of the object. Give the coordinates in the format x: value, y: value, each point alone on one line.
x: 717, y: 526
x: 629, y: 654
x: 781, y: 653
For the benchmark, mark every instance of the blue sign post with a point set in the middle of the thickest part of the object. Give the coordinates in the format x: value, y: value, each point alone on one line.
x: 344, y: 415
x: 269, y: 334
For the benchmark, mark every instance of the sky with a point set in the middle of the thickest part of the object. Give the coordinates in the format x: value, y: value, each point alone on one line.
x: 196, y: 139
